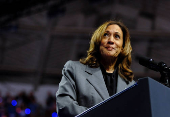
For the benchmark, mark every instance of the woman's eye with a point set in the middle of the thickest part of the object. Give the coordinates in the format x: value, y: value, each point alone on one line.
x: 117, y: 36
x: 106, y: 34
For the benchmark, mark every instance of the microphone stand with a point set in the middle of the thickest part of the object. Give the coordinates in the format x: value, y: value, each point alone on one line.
x: 165, y: 74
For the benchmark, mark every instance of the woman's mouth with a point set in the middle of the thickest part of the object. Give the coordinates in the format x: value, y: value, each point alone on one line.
x: 109, y: 48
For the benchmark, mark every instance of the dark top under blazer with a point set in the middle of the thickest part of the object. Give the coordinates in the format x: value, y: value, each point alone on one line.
x: 82, y: 87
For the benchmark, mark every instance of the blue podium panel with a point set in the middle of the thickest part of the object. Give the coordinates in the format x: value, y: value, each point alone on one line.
x: 146, y: 98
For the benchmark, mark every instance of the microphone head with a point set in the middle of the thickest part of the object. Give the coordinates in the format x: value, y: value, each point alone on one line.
x: 147, y: 62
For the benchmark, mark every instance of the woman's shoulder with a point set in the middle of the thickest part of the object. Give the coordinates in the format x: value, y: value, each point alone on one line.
x: 73, y: 64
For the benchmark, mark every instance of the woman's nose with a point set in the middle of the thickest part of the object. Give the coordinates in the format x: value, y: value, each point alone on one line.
x: 111, y: 40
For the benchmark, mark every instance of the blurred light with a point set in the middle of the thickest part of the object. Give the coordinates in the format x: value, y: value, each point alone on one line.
x: 18, y: 110
x: 27, y: 111
x: 4, y: 116
x: 0, y: 99
x: 22, y: 113
x: 14, y: 102
x: 54, y: 114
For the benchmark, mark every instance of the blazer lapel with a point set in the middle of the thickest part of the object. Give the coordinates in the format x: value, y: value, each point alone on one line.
x: 122, y: 84
x: 96, y: 80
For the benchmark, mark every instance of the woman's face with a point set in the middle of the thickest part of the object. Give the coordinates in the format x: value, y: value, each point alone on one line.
x: 112, y: 41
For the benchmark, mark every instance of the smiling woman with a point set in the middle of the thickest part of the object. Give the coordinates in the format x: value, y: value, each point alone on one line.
x: 104, y: 72
x: 111, y: 45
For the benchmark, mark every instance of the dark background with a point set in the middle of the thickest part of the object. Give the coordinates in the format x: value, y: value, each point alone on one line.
x: 37, y: 37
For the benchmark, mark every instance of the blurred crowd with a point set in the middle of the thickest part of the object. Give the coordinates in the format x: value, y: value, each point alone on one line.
x: 26, y: 105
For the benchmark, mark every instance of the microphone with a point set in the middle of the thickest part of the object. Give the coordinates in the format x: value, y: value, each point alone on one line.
x: 159, y: 67
x: 149, y: 63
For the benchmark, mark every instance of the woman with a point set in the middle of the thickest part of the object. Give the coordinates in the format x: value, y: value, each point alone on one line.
x: 104, y: 72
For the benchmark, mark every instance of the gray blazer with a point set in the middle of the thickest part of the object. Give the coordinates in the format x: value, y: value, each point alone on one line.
x: 82, y: 87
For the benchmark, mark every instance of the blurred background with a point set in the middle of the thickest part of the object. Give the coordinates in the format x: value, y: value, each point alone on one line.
x: 37, y: 37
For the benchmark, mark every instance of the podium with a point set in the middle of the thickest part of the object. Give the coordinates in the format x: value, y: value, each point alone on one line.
x: 146, y: 98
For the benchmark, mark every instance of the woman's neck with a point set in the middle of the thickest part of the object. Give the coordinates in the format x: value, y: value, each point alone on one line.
x: 109, y: 64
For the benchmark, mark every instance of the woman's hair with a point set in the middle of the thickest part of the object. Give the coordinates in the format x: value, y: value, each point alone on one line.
x: 124, y: 59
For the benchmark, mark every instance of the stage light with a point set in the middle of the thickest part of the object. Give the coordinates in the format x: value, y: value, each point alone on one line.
x: 27, y: 111
x: 18, y: 110
x: 14, y: 102
x: 54, y: 114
